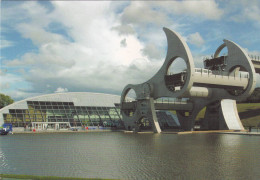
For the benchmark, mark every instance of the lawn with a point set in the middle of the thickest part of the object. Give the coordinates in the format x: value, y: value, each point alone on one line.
x: 248, y: 113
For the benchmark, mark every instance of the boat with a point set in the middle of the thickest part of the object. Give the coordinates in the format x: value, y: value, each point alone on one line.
x: 6, y: 129
x: 3, y: 132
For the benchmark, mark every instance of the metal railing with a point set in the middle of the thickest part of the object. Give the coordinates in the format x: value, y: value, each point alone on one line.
x: 171, y: 101
x: 254, y: 57
x: 211, y: 73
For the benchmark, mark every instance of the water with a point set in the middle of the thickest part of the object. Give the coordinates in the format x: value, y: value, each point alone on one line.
x: 132, y: 156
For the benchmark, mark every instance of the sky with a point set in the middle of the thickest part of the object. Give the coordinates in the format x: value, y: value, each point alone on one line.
x: 101, y: 46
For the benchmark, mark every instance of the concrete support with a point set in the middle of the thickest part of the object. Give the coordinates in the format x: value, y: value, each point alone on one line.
x: 186, y: 121
x: 147, y: 110
x: 222, y: 115
x: 152, y: 116
x: 211, y: 118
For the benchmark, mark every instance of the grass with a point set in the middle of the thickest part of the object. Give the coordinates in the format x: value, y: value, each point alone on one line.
x: 249, y: 114
x: 16, y: 176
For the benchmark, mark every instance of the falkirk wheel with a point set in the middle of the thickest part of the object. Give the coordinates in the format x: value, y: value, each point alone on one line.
x: 217, y: 86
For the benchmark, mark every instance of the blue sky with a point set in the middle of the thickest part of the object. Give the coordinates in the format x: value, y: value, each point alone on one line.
x: 60, y: 46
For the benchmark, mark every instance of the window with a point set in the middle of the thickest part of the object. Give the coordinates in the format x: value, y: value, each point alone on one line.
x: 42, y: 103
x: 54, y: 103
x: 29, y: 102
x: 48, y: 103
x: 19, y: 111
x: 12, y: 111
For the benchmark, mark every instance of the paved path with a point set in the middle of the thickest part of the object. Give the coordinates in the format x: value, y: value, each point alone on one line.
x: 242, y: 133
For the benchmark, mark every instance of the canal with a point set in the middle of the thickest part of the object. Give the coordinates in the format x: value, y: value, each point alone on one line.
x: 118, y: 155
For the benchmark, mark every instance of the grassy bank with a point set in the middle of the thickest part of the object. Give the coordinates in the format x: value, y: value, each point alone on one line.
x: 16, y: 176
x: 248, y: 113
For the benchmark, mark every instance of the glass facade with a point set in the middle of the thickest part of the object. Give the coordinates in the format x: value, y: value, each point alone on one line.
x: 52, y: 111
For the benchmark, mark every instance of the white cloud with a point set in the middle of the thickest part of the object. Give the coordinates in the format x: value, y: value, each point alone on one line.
x: 244, y: 11
x: 195, y: 39
x: 7, y: 78
x: 151, y: 51
x: 253, y: 13
x: 61, y: 90
x: 4, y: 86
x: 123, y: 43
x: 124, y: 29
x: 161, y: 12
x: 141, y: 12
x: 3, y: 72
x: 8, y: 81
x: 96, y: 59
x: 19, y: 94
x: 38, y: 34
x: 6, y: 43
x: 99, y: 49
x: 204, y: 9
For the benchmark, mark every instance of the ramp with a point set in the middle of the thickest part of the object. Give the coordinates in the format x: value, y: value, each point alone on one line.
x: 230, y: 114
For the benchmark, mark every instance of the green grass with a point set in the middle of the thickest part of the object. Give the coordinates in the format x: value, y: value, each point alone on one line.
x: 201, y: 114
x: 248, y: 113
x: 16, y: 176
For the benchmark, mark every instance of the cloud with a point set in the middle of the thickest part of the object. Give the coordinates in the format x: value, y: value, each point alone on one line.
x: 203, y: 9
x: 6, y: 43
x: 140, y: 12
x: 123, y: 43
x: 244, y: 11
x: 161, y: 12
x: 253, y: 13
x: 3, y: 72
x: 4, y: 86
x: 124, y: 29
x: 195, y: 39
x: 151, y: 51
x: 8, y: 81
x: 96, y: 58
x: 38, y: 35
x: 61, y: 90
x: 98, y: 46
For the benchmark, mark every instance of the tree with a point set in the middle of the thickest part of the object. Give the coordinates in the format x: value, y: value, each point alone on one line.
x: 5, y: 100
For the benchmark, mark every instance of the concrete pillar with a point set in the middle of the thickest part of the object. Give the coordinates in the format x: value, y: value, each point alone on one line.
x: 153, y: 118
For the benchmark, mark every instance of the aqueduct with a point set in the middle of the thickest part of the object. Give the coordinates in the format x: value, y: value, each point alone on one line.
x: 217, y: 86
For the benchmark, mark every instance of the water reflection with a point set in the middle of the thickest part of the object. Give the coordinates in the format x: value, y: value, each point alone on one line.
x: 132, y: 156
x: 3, y: 163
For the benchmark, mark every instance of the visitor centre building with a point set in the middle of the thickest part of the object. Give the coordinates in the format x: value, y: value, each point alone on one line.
x: 72, y: 109
x: 63, y: 110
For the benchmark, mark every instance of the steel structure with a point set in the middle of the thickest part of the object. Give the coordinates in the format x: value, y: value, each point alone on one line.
x: 217, y: 86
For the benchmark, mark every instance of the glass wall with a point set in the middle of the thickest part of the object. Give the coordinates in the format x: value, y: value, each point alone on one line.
x: 46, y: 111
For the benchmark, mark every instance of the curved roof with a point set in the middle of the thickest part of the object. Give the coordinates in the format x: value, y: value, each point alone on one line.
x: 78, y: 98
